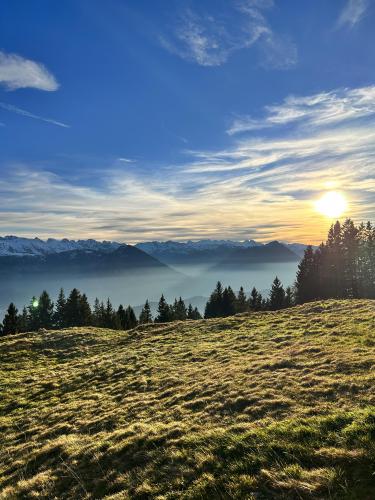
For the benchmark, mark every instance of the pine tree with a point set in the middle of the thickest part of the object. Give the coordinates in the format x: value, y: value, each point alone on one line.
x: 23, y: 321
x: 145, y: 316
x: 254, y: 300
x: 289, y: 298
x: 45, y: 311
x: 85, y: 311
x: 60, y: 312
x: 164, y: 311
x: 241, y: 302
x: 277, y: 295
x: 109, y: 316
x: 196, y: 314
x: 73, y: 315
x: 33, y: 314
x: 121, y: 316
x: 179, y: 310
x: 228, y: 302
x: 130, y: 318
x: 214, y: 306
x: 10, y: 322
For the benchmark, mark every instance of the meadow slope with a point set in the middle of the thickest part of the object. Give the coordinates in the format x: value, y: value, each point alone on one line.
x: 264, y: 405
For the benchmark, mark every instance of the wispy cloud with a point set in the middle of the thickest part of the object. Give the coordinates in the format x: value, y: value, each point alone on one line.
x: 23, y: 112
x: 261, y: 187
x: 352, y: 12
x: 209, y: 39
x: 16, y: 72
x: 325, y: 108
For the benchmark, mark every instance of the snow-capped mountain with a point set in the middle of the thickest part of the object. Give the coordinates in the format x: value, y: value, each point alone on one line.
x: 16, y: 246
x: 188, y: 246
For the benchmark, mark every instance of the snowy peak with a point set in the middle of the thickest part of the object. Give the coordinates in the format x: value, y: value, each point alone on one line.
x: 17, y: 246
x: 188, y: 246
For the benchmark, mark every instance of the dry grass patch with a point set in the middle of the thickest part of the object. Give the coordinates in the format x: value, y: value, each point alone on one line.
x: 267, y: 405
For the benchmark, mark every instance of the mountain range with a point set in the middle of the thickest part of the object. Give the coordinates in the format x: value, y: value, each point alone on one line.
x: 27, y: 255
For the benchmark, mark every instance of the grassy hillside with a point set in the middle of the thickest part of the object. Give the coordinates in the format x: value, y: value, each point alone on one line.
x: 267, y: 405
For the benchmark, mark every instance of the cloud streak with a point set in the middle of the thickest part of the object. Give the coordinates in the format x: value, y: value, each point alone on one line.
x: 23, y: 112
x: 209, y: 39
x: 352, y: 13
x: 16, y: 72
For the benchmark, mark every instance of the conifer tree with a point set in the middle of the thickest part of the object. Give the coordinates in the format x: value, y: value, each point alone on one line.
x: 85, y: 311
x: 241, y: 302
x: 228, y: 302
x: 289, y: 299
x: 254, y: 300
x: 277, y: 295
x: 179, y: 310
x: 60, y: 313
x: 214, y: 306
x: 109, y: 316
x: 130, y: 318
x: 73, y: 316
x: 33, y: 313
x: 23, y: 321
x: 10, y: 322
x: 145, y: 316
x: 164, y: 311
x: 45, y: 311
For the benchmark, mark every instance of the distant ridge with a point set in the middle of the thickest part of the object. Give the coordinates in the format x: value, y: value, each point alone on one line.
x: 115, y: 259
x: 18, y: 246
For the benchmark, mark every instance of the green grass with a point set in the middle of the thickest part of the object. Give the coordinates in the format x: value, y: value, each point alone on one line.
x: 266, y: 405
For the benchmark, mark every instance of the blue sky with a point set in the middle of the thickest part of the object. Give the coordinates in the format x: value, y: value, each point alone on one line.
x: 137, y: 120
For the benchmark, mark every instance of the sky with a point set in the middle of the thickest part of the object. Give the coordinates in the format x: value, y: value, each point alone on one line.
x: 136, y: 120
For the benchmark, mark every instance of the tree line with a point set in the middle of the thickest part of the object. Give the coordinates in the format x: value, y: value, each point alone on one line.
x: 342, y: 267
x: 224, y: 302
x: 75, y: 310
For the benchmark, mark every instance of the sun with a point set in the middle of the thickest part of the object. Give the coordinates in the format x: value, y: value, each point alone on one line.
x: 332, y: 204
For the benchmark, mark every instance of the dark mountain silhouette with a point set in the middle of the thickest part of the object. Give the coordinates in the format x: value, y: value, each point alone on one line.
x: 241, y: 258
x: 123, y: 258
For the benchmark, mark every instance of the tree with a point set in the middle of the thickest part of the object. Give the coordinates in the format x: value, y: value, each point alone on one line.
x: 85, y: 311
x: 73, y: 316
x: 60, y: 311
x: 23, y: 321
x: 179, y: 310
x: 254, y: 302
x: 164, y: 311
x: 241, y: 302
x: 45, y: 311
x: 228, y: 302
x: 145, y: 316
x: 289, y: 298
x: 10, y: 322
x: 130, y: 318
x: 277, y: 295
x: 214, y: 306
x: 193, y: 313
x: 33, y: 314
x: 109, y: 316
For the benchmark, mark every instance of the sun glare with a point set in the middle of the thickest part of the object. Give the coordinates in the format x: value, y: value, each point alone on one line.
x: 331, y: 204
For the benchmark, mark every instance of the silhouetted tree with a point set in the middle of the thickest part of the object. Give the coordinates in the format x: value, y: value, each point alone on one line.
x: 179, y: 310
x: 145, y: 316
x: 228, y: 302
x: 277, y: 295
x: 214, y: 306
x: 241, y: 302
x: 10, y: 322
x: 60, y: 312
x: 45, y: 311
x: 164, y: 311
